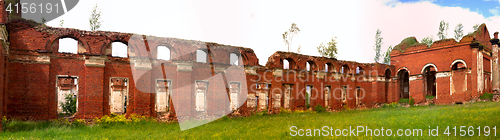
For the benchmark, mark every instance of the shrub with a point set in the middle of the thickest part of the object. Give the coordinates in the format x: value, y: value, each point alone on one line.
x: 69, y: 104
x: 318, y: 108
x: 411, y: 101
x: 486, y: 96
x: 430, y: 97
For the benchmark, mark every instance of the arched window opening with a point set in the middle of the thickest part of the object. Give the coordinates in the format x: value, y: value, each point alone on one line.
x: 326, y: 68
x: 359, y: 70
x: 286, y: 64
x: 201, y: 56
x: 119, y: 49
x: 233, y: 58
x: 344, y: 69
x: 387, y: 77
x: 308, y: 66
x: 404, y: 84
x: 458, y: 66
x: 430, y: 80
x: 68, y: 45
x: 163, y: 52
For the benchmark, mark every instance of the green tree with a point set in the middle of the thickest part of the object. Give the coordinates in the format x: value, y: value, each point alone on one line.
x: 459, y: 32
x: 387, y: 56
x: 95, y: 20
x: 69, y: 104
x: 443, y: 30
x: 61, y: 23
x: 288, y: 35
x: 427, y: 40
x: 378, y: 46
x: 330, y: 50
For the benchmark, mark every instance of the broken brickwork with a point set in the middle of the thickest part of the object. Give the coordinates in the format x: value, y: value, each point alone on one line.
x: 35, y: 75
x: 447, y: 71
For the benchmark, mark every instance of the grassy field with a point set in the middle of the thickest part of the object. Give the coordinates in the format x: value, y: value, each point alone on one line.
x: 279, y: 126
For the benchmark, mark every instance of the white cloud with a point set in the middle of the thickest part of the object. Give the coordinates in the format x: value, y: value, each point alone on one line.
x: 494, y: 11
x: 259, y: 24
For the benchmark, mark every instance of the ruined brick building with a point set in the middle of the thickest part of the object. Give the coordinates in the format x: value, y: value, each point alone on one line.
x: 35, y: 75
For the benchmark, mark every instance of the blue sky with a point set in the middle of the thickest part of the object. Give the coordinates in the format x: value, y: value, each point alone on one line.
x: 484, y: 7
x: 258, y: 24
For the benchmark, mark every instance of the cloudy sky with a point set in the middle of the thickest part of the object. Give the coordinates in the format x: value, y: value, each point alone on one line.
x: 258, y: 24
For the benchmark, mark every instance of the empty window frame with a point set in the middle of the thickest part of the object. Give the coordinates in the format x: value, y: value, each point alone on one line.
x: 68, y: 45
x: 201, y: 95
x: 262, y: 90
x: 286, y: 64
x: 201, y: 56
x: 67, y: 86
x: 118, y: 99
x: 163, y: 91
x: 234, y: 59
x: 308, y: 95
x: 327, y: 96
x: 119, y: 49
x: 234, y: 92
x: 287, y: 96
x: 163, y: 53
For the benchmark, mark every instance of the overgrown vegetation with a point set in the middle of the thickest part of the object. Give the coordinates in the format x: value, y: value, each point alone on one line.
x: 95, y: 20
x: 404, y: 101
x: 486, y: 96
x: 278, y: 126
x: 319, y: 108
x: 430, y: 96
x: 411, y: 101
x: 69, y: 105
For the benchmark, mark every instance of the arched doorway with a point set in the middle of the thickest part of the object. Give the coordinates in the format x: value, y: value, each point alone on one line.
x: 404, y: 84
x: 387, y: 80
x: 429, y: 80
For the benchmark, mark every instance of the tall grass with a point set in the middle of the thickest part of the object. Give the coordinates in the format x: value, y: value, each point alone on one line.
x: 278, y: 126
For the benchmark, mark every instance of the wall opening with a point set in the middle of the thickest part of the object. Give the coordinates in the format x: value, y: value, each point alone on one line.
x: 287, y: 97
x: 234, y: 92
x: 359, y: 97
x: 404, y: 84
x: 430, y: 81
x: 344, y: 96
x: 329, y: 67
x: 344, y: 69
x: 119, y: 49
x: 118, y: 100
x: 201, y: 56
x: 262, y: 90
x: 201, y: 95
x: 163, y: 53
x: 327, y: 96
x: 359, y: 70
x: 286, y: 64
x: 233, y: 59
x: 308, y: 95
x: 310, y: 66
x: 67, y: 86
x: 163, y: 91
x: 68, y: 45
x: 387, y: 77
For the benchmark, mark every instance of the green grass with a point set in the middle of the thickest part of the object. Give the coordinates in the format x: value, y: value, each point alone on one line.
x: 278, y: 126
x: 402, y: 100
x: 486, y: 96
x: 430, y: 96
